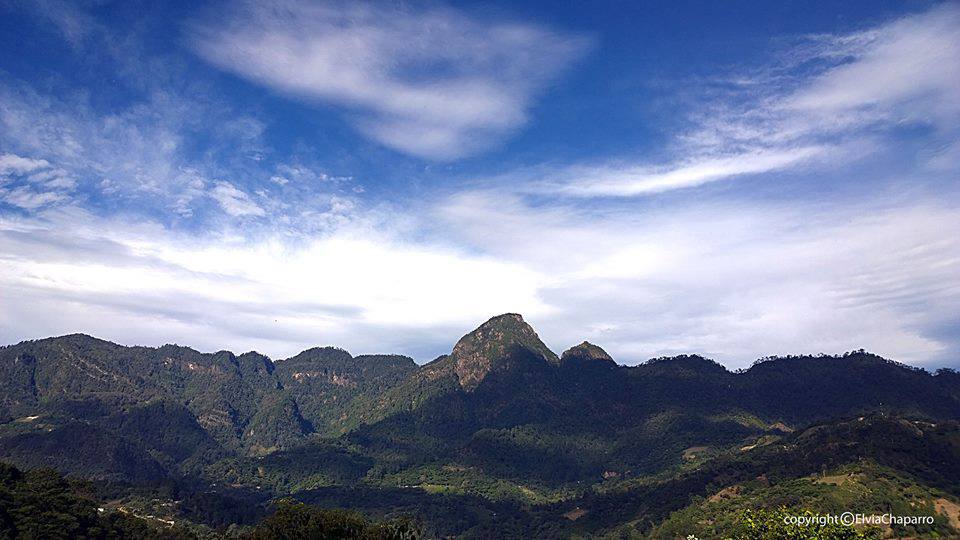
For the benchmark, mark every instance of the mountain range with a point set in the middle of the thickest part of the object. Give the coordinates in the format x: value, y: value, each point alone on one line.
x: 501, y: 437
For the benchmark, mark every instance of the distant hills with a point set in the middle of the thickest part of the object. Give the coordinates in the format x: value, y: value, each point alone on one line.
x: 498, y: 437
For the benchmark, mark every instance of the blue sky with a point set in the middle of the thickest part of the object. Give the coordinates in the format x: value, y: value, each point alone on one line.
x: 733, y: 179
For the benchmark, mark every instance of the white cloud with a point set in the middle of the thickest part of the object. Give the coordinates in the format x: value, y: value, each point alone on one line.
x: 234, y: 201
x: 434, y: 83
x: 14, y: 164
x: 298, y: 173
x: 29, y: 199
x: 642, y: 180
x: 53, y: 179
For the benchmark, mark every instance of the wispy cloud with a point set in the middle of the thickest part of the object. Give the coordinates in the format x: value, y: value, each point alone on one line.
x: 30, y: 183
x: 234, y: 201
x: 156, y: 156
x: 29, y: 199
x: 913, y: 59
x: 138, y: 150
x: 12, y: 163
x: 433, y: 83
x: 828, y: 98
x: 66, y: 18
x: 640, y: 180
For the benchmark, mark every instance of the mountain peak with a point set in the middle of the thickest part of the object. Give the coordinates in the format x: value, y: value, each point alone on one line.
x: 686, y: 365
x: 586, y: 351
x: 476, y: 353
x: 322, y: 355
x: 506, y: 320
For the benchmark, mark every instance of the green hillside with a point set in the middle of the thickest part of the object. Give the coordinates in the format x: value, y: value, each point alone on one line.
x: 501, y: 437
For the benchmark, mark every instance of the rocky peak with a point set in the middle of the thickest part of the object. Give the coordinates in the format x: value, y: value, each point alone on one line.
x: 586, y: 351
x: 479, y: 351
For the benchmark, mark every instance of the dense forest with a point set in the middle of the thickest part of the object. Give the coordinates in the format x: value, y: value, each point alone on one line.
x: 41, y: 503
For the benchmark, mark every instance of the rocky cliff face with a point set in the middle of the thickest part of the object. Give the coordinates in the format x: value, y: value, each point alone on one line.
x: 478, y: 352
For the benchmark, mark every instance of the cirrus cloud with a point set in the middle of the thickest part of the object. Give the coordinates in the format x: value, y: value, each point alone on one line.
x: 234, y: 201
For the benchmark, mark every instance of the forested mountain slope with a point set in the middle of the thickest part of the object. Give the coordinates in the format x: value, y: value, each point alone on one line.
x: 501, y: 420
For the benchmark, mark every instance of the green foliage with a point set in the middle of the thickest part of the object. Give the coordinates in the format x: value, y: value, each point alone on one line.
x: 461, y: 480
x: 81, y: 449
x: 801, y: 471
x: 277, y: 424
x: 319, y: 463
x: 42, y: 504
x: 294, y: 520
x: 325, y: 381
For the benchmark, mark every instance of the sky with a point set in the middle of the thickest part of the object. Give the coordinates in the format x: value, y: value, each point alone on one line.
x: 733, y: 179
